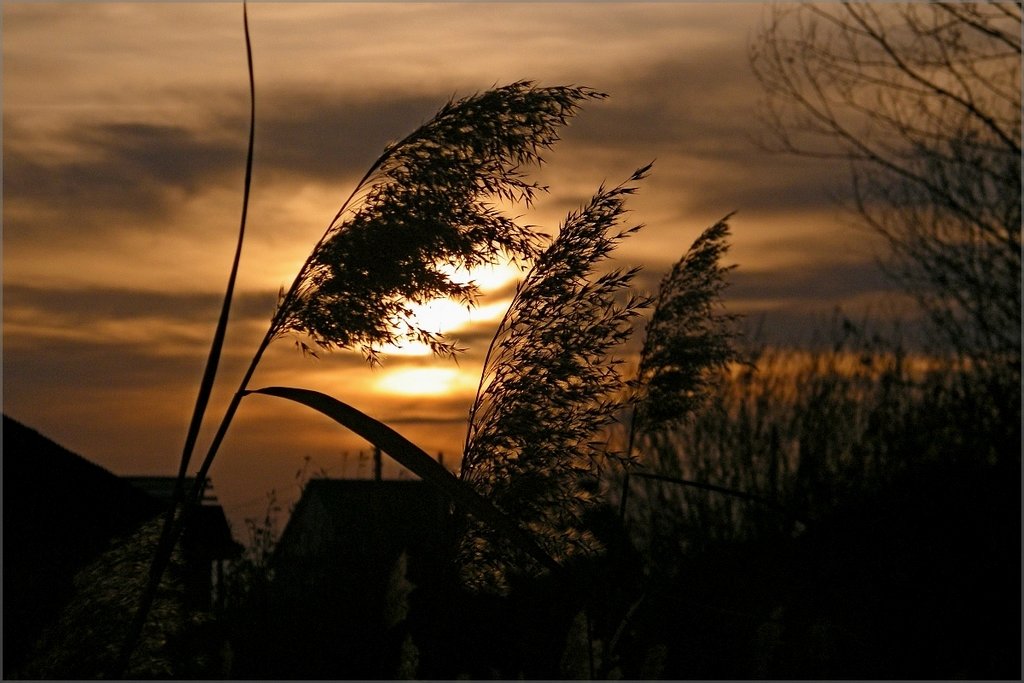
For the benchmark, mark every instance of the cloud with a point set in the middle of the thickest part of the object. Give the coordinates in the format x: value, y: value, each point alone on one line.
x: 66, y: 368
x: 798, y: 304
x: 327, y: 137
x: 133, y: 204
x: 124, y: 151
x: 76, y: 307
x: 115, y: 167
x: 693, y: 115
x: 691, y: 108
x: 818, y: 282
x: 95, y: 175
x: 697, y: 116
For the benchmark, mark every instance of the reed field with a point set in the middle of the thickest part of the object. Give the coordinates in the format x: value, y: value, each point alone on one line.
x: 878, y: 534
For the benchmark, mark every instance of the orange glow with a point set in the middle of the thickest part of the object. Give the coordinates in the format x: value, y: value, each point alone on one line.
x: 426, y: 382
x: 123, y: 179
x: 489, y: 277
x: 444, y: 316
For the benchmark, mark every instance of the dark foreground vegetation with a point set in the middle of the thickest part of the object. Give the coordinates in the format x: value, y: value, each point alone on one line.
x: 878, y: 537
x: 884, y: 543
x: 885, y: 538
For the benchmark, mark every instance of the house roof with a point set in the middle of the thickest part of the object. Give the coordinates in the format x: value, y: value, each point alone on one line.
x: 162, y: 488
x: 208, y: 533
x: 60, y: 512
x: 59, y: 504
x: 362, y: 520
x: 352, y: 554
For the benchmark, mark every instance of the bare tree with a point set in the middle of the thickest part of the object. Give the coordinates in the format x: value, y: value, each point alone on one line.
x: 923, y: 103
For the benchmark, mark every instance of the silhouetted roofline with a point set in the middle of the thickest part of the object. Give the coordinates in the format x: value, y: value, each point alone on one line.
x: 162, y: 487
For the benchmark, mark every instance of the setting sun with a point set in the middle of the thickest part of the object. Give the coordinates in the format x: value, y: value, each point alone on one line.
x: 488, y: 278
x: 445, y: 316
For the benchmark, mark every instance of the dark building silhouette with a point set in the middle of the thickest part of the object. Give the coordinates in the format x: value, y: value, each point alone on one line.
x: 347, y: 562
x: 206, y: 544
x: 60, y: 513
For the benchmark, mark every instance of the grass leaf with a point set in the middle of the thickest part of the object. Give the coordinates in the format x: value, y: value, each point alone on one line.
x: 413, y: 458
x: 168, y: 536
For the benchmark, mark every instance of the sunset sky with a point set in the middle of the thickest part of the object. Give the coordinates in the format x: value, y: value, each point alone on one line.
x: 124, y: 134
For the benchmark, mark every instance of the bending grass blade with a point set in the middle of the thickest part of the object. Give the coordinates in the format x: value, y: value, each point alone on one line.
x: 413, y: 458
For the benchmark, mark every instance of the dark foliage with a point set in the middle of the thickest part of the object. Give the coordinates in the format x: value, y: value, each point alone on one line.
x: 922, y: 102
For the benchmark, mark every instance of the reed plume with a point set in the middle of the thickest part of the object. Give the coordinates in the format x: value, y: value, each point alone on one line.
x: 688, y: 336
x: 688, y: 339
x: 423, y: 209
x: 549, y: 385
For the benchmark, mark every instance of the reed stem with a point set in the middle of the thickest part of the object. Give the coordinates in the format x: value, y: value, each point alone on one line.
x: 171, y: 532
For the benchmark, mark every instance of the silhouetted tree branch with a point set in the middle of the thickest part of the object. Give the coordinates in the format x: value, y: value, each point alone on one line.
x: 923, y: 102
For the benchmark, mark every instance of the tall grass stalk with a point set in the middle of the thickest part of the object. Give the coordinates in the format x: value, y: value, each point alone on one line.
x: 689, y: 339
x: 421, y: 207
x: 549, y: 386
x: 689, y: 336
x: 171, y: 531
